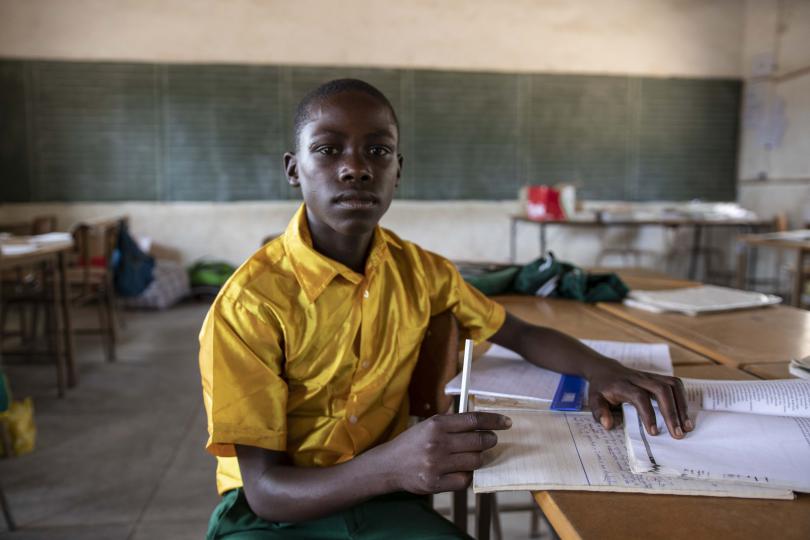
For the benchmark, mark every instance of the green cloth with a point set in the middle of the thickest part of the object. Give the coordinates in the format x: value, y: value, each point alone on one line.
x: 5, y: 393
x: 549, y: 277
x: 392, y: 516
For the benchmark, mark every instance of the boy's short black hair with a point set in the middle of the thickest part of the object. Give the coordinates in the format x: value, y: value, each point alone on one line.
x: 329, y: 89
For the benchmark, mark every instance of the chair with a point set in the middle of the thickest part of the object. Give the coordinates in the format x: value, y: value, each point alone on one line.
x: 89, y: 277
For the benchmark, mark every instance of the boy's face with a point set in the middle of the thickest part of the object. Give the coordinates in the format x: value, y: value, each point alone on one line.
x: 347, y: 163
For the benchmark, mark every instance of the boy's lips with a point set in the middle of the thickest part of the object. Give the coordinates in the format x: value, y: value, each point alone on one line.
x: 356, y: 200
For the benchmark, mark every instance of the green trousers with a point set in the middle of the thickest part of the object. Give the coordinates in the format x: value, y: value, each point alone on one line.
x: 389, y: 517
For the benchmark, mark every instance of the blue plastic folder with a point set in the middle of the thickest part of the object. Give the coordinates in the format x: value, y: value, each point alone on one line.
x: 569, y: 395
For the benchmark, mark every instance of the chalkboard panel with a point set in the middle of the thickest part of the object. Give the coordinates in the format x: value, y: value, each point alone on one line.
x: 580, y: 131
x: 96, y: 131
x: 15, y: 177
x: 466, y: 135
x: 224, y: 136
x: 78, y: 131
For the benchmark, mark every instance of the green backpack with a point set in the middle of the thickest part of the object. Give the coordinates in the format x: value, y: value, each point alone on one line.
x: 210, y: 273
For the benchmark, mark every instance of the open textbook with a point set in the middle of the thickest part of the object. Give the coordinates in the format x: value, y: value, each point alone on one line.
x: 504, y: 374
x: 571, y: 451
x: 746, y: 432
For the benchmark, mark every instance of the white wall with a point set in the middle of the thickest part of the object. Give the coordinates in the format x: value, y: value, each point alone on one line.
x: 693, y: 38
x: 775, y: 144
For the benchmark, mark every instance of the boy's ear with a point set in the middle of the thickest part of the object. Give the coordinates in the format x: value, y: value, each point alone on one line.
x: 399, y: 169
x: 291, y: 169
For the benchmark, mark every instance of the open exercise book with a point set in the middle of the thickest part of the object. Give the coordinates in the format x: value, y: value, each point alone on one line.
x: 746, y: 433
x: 501, y: 373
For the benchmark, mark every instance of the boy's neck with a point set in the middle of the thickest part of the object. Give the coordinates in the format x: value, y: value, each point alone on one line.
x: 351, y: 251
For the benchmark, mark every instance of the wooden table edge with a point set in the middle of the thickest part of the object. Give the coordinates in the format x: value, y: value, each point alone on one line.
x: 555, y: 516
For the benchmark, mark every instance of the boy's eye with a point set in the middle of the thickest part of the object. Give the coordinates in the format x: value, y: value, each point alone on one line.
x: 326, y: 150
x: 379, y: 151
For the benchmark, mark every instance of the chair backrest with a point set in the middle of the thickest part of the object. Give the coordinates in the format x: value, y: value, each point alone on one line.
x: 437, y: 364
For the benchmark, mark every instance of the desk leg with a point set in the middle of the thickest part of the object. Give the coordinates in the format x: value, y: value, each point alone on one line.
x: 7, y: 511
x: 56, y: 327
x: 542, y: 239
x: 798, y: 279
x: 67, y: 326
x: 742, y: 265
x: 460, y: 509
x: 512, y: 239
x: 483, y: 515
x: 695, y: 251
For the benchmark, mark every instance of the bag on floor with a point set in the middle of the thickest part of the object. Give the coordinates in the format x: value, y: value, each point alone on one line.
x: 133, y: 268
x: 18, y: 420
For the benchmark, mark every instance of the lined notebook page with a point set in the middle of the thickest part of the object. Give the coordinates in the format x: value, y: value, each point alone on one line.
x: 570, y: 451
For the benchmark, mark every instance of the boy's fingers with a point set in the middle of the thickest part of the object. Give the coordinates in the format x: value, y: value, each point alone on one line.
x: 472, y: 441
x: 453, y: 481
x: 600, y: 408
x: 467, y: 461
x: 641, y: 401
x: 666, y: 404
x: 474, y: 421
x: 680, y: 401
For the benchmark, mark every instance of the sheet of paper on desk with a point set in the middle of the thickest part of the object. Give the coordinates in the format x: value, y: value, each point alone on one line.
x: 571, y: 451
x: 503, y: 373
x: 753, y: 449
x: 696, y: 300
x: 789, y: 397
x: 17, y: 249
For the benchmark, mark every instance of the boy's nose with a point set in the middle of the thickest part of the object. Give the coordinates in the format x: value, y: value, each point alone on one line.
x: 355, y: 170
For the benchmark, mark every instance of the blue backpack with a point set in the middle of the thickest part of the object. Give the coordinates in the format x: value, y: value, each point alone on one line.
x: 132, y: 268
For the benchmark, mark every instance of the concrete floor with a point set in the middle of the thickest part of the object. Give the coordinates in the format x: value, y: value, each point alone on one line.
x: 122, y: 456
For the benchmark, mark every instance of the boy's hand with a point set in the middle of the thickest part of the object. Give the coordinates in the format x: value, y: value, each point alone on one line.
x: 438, y: 454
x: 617, y: 384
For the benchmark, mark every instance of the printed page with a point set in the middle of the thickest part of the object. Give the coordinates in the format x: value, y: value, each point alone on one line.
x: 790, y: 397
x: 762, y: 450
x: 571, y: 451
x: 503, y: 373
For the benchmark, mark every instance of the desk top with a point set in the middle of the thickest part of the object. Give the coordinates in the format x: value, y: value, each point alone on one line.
x: 584, y: 321
x: 799, y: 239
x: 770, y: 371
x: 39, y: 253
x: 608, y: 516
x: 766, y: 335
x: 632, y: 222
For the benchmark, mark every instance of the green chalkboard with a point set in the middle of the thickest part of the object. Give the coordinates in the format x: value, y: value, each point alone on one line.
x: 81, y: 131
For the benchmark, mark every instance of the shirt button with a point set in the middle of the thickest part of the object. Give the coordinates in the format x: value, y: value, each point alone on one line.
x: 365, y: 364
x: 354, y: 397
x: 365, y: 293
x: 353, y: 419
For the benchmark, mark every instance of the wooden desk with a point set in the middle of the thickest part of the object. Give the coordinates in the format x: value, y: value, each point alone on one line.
x: 55, y: 254
x: 798, y: 241
x: 584, y: 321
x: 766, y: 335
x: 608, y: 516
x: 770, y: 371
x: 697, y: 225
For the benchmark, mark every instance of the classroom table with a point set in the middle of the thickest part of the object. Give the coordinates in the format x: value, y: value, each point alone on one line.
x: 770, y: 371
x: 585, y: 321
x: 767, y: 335
x: 607, y: 516
x: 797, y: 241
x: 696, y: 223
x: 53, y: 254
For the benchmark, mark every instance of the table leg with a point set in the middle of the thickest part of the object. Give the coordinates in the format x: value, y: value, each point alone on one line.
x: 460, y: 509
x: 67, y: 326
x: 742, y: 265
x: 512, y: 239
x: 55, y: 327
x: 483, y: 515
x: 798, y: 279
x: 542, y: 239
x: 7, y: 511
x: 695, y: 251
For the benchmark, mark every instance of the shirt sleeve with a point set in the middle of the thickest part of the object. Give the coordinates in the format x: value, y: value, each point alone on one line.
x: 241, y: 362
x: 479, y: 316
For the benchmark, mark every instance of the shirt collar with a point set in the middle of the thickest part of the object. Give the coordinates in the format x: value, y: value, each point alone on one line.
x: 314, y: 271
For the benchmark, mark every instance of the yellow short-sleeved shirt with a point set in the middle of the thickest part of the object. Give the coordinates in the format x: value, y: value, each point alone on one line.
x: 301, y: 354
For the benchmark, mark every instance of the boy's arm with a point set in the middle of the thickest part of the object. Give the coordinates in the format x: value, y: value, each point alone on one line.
x: 610, y: 382
x: 436, y: 455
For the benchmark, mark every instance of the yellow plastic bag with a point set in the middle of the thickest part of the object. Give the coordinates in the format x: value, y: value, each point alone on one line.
x: 19, y: 419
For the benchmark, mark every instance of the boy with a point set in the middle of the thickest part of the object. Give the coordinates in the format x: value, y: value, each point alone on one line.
x: 307, y: 352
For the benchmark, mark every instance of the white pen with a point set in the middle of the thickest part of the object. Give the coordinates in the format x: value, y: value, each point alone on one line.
x: 465, y: 376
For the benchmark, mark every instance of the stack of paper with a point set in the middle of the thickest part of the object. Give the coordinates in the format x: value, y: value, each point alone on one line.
x: 800, y: 368
x: 746, y: 433
x: 504, y: 374
x: 696, y: 300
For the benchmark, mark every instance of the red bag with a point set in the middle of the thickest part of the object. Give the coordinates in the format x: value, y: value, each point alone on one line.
x: 543, y: 203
